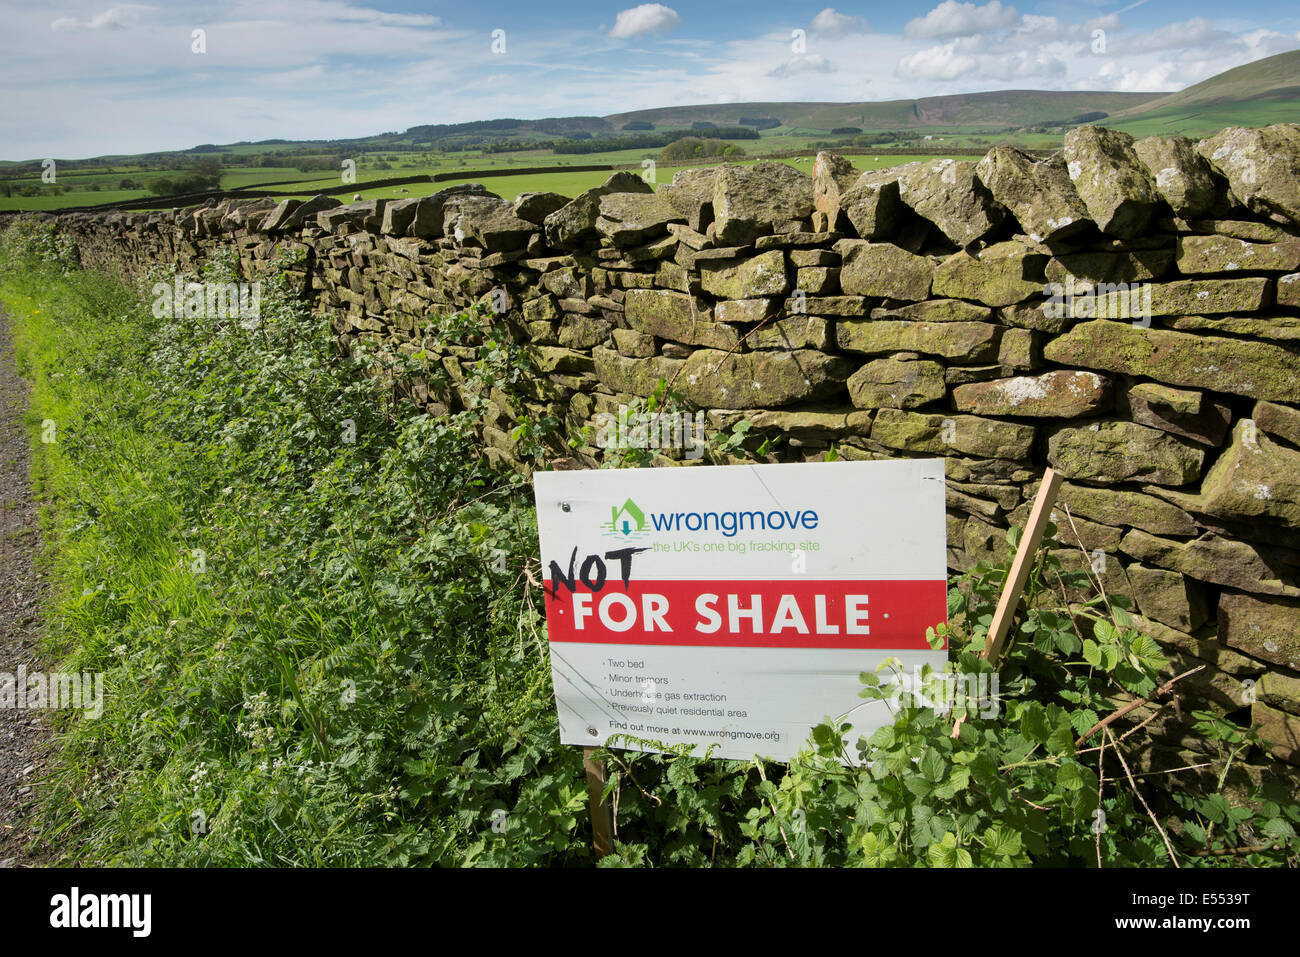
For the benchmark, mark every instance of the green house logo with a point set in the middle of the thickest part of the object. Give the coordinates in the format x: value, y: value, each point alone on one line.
x: 626, y: 521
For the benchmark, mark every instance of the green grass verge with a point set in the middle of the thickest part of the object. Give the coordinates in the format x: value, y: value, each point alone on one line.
x: 303, y: 659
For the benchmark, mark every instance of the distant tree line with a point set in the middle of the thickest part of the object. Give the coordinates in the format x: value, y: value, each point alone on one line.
x: 308, y: 164
x: 205, y: 174
x: 653, y: 140
x: 586, y: 143
x: 481, y: 133
x: 193, y: 176
x: 693, y: 147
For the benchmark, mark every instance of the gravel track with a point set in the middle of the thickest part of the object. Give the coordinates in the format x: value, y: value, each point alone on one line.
x: 24, y: 735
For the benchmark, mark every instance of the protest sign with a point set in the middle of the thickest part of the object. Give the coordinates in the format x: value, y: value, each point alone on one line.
x: 736, y: 606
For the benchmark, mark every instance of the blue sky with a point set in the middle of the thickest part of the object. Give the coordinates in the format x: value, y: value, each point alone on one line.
x: 90, y: 77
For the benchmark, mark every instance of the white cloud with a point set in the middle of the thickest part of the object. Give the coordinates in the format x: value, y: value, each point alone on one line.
x: 953, y: 19
x: 360, y: 15
x: 1196, y: 32
x: 329, y: 68
x: 1034, y: 29
x: 1262, y: 43
x: 937, y: 63
x: 1155, y: 78
x: 1107, y: 22
x: 832, y: 23
x: 1024, y: 60
x: 814, y: 63
x: 1194, y: 50
x: 645, y: 18
x: 114, y: 18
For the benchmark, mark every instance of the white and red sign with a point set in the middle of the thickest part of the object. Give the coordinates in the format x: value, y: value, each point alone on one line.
x: 736, y: 606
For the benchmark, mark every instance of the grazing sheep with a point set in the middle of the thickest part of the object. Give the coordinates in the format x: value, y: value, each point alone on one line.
x: 356, y: 197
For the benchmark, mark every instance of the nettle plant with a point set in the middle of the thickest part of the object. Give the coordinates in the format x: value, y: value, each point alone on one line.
x: 503, y: 372
x: 959, y: 782
x: 500, y: 372
x: 29, y: 242
x: 720, y: 446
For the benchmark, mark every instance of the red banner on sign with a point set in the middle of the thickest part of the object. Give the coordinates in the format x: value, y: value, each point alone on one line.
x: 795, y: 613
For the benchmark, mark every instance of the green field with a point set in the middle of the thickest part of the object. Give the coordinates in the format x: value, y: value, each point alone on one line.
x: 1198, y: 122
x: 571, y: 184
x: 95, y: 182
x: 71, y: 198
x: 564, y: 183
x: 91, y: 187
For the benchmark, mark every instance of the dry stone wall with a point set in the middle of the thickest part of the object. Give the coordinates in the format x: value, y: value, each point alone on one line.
x: 1125, y: 311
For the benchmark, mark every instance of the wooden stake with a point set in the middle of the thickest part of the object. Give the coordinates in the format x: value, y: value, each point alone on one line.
x: 1024, y: 560
x: 602, y: 815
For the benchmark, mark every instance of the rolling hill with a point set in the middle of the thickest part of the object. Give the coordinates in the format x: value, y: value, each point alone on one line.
x: 1273, y: 78
x: 1254, y: 94
x: 1003, y: 109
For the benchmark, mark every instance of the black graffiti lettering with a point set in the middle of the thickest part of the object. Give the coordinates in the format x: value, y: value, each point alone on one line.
x: 599, y: 582
x: 624, y: 558
x: 593, y: 572
x: 557, y: 575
